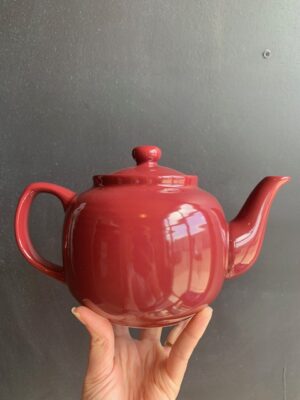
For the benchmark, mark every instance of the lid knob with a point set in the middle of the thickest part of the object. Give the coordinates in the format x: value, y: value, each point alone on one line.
x: 143, y: 154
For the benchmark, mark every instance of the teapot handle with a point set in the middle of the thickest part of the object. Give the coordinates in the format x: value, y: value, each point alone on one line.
x: 21, y: 226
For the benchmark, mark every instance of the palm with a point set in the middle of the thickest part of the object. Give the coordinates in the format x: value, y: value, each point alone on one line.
x: 123, y: 368
x: 140, y: 371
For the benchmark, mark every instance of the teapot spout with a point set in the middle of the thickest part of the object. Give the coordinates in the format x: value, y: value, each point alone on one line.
x: 247, y: 229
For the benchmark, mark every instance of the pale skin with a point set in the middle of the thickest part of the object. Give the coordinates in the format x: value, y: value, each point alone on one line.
x: 123, y: 368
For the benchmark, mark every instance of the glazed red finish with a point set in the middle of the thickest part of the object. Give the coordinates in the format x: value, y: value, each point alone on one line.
x: 246, y: 231
x: 146, y: 246
x: 21, y: 225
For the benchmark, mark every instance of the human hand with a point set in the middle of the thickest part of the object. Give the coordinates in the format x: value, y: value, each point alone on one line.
x: 123, y: 368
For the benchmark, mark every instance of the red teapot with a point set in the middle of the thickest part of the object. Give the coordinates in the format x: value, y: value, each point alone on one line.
x: 145, y: 246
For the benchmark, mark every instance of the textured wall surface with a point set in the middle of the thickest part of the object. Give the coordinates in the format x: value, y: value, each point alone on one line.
x: 81, y: 83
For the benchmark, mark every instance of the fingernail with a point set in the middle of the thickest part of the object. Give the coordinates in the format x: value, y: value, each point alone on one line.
x: 207, y: 309
x: 210, y: 311
x: 76, y: 314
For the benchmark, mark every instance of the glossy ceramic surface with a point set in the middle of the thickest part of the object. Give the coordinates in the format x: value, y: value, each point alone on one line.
x: 146, y: 246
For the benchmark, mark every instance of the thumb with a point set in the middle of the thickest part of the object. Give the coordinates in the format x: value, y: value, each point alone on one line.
x: 101, y: 354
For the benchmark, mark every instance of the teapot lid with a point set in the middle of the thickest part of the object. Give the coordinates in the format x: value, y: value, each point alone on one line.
x: 147, y: 171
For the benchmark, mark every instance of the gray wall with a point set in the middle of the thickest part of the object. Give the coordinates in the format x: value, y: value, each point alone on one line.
x: 84, y: 82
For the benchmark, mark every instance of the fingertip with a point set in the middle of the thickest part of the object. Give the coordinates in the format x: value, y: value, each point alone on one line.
x: 94, y: 323
x: 207, y: 312
x: 89, y: 316
x: 202, y: 318
x: 76, y: 313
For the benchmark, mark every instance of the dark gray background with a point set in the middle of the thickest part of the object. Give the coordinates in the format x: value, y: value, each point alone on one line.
x: 82, y: 82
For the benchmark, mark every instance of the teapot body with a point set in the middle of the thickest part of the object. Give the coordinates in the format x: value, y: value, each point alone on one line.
x: 145, y: 255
